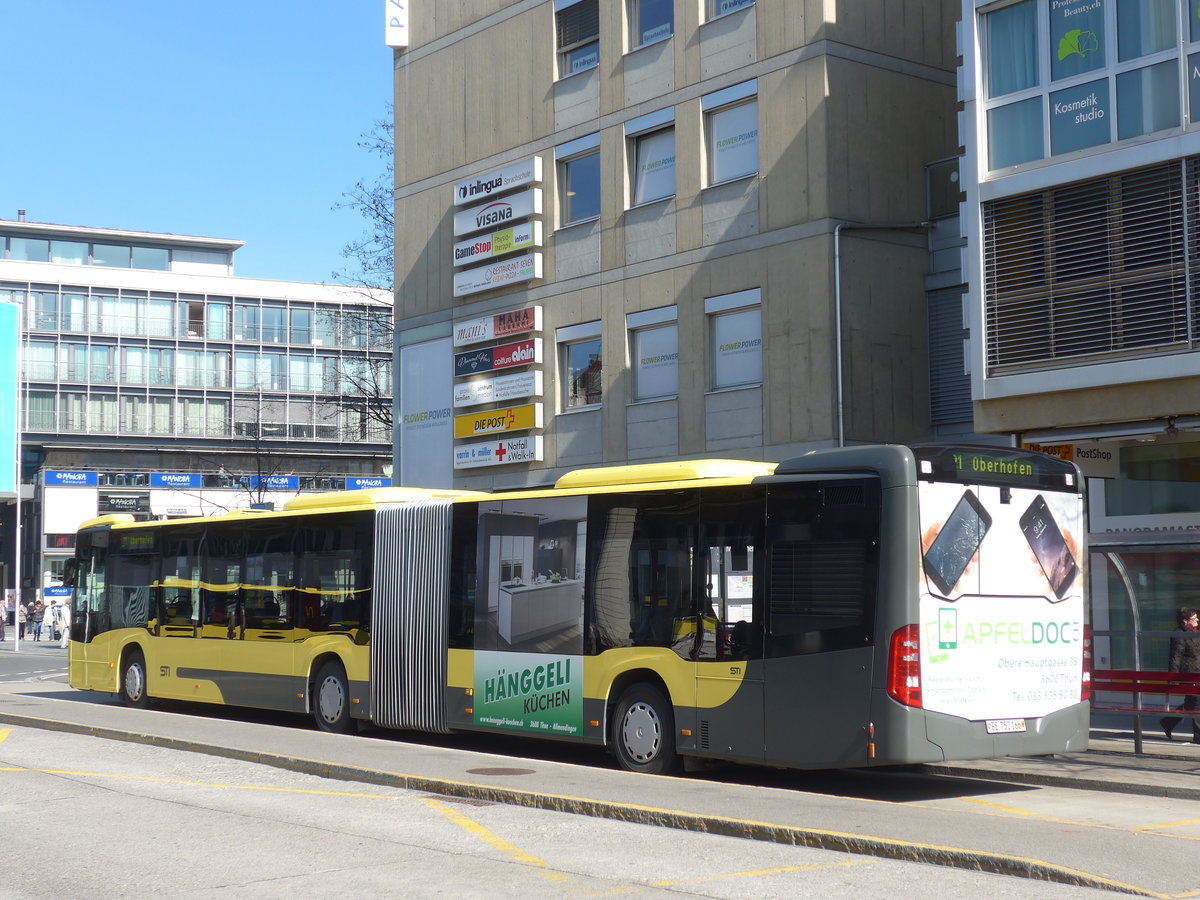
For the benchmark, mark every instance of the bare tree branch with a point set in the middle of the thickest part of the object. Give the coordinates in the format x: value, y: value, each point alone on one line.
x: 371, y: 252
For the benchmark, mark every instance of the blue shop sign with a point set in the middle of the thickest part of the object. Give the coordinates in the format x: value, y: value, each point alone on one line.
x: 174, y: 480
x: 276, y: 482
x: 58, y: 593
x: 361, y: 483
x: 72, y: 479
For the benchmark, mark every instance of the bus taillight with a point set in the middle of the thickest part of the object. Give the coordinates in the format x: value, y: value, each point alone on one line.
x: 904, y: 666
x: 1086, y: 687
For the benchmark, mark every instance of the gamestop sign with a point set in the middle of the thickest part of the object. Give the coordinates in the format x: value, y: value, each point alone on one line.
x: 486, y: 278
x: 498, y: 243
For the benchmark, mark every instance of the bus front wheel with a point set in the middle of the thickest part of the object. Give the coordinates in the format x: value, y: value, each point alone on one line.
x: 133, y: 681
x: 331, y: 699
x: 644, y: 731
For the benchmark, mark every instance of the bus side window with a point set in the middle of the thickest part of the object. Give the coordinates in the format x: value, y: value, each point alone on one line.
x: 824, y: 565
x: 731, y: 556
x: 335, y: 573
x: 269, y: 577
x: 642, y: 589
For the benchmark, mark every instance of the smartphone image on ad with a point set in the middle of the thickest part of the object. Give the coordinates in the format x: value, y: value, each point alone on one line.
x: 1048, y: 545
x: 957, y: 542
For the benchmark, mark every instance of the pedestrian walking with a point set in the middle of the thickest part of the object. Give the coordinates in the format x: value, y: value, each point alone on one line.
x: 48, y: 620
x: 1185, y: 657
x: 37, y: 617
x: 64, y: 612
x: 22, y: 618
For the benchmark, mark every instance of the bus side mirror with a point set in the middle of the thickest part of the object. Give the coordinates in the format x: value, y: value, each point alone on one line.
x: 70, y: 571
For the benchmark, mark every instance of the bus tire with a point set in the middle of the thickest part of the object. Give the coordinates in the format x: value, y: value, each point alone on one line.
x: 132, y: 687
x: 643, y: 731
x: 331, y: 699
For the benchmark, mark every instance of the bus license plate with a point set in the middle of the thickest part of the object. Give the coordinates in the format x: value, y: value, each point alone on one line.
x: 1005, y: 726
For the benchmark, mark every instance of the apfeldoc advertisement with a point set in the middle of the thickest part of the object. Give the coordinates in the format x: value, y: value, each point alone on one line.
x: 498, y: 274
x: 1002, y: 607
x: 534, y: 692
x: 499, y: 453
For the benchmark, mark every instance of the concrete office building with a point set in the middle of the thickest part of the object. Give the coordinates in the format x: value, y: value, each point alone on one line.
x: 155, y: 382
x: 640, y: 230
x: 1082, y: 172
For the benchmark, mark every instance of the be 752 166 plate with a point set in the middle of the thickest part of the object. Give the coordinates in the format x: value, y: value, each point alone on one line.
x: 1004, y: 726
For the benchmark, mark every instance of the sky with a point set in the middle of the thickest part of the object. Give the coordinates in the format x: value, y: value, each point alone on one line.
x: 233, y: 119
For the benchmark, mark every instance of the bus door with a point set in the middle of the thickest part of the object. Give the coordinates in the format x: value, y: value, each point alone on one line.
x: 823, y: 537
x: 259, y: 654
x: 86, y: 576
x: 729, y: 671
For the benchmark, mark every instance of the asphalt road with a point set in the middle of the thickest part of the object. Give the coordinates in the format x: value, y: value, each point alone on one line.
x: 465, y: 815
x: 141, y: 821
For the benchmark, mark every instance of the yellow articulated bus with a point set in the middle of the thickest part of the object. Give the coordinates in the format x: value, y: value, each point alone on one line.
x: 871, y: 605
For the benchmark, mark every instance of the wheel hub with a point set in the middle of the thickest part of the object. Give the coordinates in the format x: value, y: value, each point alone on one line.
x: 642, y: 732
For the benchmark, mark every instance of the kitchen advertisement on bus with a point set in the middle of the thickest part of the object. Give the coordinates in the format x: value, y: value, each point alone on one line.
x: 1002, y: 607
x: 538, y: 692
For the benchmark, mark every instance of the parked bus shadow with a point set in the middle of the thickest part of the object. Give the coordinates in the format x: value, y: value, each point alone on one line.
x: 896, y: 784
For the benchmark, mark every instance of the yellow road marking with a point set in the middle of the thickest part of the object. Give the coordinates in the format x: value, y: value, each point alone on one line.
x: 1008, y: 809
x: 1178, y: 824
x: 4, y: 732
x: 474, y: 828
x: 202, y: 784
x: 759, y: 872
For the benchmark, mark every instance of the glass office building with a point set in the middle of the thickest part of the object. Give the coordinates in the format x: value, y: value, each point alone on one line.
x: 155, y: 382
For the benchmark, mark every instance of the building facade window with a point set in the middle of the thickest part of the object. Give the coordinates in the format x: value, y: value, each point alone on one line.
x: 577, y: 23
x: 578, y: 164
x: 731, y: 132
x: 718, y: 8
x: 1091, y: 271
x: 735, y: 332
x: 580, y: 363
x: 1063, y: 76
x: 654, y: 353
x: 41, y: 361
x: 651, y: 142
x: 650, y: 21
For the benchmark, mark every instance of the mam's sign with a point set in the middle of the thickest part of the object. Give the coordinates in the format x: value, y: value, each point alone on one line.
x: 502, y: 325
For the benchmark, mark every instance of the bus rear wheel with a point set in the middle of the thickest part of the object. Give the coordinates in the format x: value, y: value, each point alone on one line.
x: 331, y: 699
x: 644, y: 731
x: 133, y: 681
